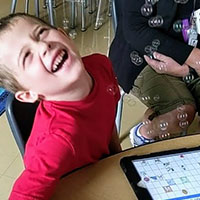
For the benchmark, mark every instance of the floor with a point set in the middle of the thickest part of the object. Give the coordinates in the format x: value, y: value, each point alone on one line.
x: 90, y: 41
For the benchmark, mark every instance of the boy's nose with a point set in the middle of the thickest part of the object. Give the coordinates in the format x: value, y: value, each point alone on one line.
x: 44, y: 47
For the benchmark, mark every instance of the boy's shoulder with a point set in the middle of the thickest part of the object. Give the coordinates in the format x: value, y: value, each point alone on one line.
x: 96, y: 57
x: 98, y: 65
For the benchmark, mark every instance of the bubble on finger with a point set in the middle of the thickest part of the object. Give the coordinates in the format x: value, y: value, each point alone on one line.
x: 156, y: 98
x: 178, y: 26
x: 184, y: 124
x: 150, y: 49
x: 150, y: 56
x: 162, y: 67
x: 182, y: 116
x: 163, y: 125
x: 188, y: 78
x: 146, y: 9
x: 181, y: 108
x: 198, y: 62
x: 136, y: 59
x: 156, y: 21
x: 112, y: 89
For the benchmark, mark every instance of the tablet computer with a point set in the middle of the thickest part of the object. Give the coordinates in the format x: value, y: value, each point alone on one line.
x: 169, y: 175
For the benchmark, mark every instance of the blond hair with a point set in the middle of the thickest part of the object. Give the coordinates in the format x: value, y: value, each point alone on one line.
x: 7, y: 77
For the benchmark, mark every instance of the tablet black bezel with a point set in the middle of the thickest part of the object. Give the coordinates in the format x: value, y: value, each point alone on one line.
x: 133, y: 176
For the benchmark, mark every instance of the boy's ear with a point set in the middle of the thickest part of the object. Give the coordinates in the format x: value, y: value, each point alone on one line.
x: 27, y: 96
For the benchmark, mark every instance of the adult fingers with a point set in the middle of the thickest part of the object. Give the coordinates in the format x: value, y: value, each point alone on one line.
x: 158, y: 66
x: 161, y: 57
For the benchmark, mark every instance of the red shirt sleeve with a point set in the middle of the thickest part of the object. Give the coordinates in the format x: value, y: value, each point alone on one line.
x: 44, y: 166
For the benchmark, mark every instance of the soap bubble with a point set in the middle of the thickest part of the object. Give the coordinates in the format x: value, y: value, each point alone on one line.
x: 163, y: 125
x: 156, y: 21
x: 188, y: 78
x: 146, y: 98
x: 112, y: 89
x: 164, y: 135
x: 183, y: 124
x: 156, y: 98
x: 146, y: 10
x: 129, y: 100
x: 135, y: 58
x: 150, y: 49
x: 180, y: 108
x: 182, y: 116
x: 146, y: 122
x: 156, y: 43
x: 178, y: 26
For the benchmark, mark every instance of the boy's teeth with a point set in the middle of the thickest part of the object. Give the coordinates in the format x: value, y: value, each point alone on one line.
x: 58, y: 60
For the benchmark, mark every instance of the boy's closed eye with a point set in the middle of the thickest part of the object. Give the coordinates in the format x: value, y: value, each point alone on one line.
x: 26, y: 56
x: 42, y: 32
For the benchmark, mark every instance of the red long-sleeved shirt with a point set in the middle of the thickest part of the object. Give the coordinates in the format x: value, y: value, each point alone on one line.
x: 69, y: 135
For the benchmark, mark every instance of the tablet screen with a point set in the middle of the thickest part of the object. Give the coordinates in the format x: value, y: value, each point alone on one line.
x: 171, y: 177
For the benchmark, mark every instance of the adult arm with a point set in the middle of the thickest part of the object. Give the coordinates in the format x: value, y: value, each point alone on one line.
x: 139, y: 34
x: 194, y: 60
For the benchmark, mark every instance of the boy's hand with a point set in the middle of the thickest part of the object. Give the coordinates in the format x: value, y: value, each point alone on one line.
x: 165, y: 65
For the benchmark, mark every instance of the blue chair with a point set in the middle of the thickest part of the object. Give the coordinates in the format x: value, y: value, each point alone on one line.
x: 20, y: 118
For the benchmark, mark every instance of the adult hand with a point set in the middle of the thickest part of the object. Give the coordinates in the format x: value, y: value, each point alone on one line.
x: 166, y: 65
x: 193, y: 60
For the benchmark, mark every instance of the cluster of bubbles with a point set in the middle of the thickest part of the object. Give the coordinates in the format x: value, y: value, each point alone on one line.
x: 164, y: 134
x: 150, y: 49
x: 164, y: 124
x: 146, y: 99
x: 182, y: 117
x: 135, y: 91
x: 157, y: 21
x: 136, y: 58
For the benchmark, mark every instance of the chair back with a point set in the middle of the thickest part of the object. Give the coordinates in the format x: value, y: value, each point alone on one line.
x: 20, y: 118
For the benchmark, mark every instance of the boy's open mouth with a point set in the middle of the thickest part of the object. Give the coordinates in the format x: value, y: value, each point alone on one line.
x: 59, y: 61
